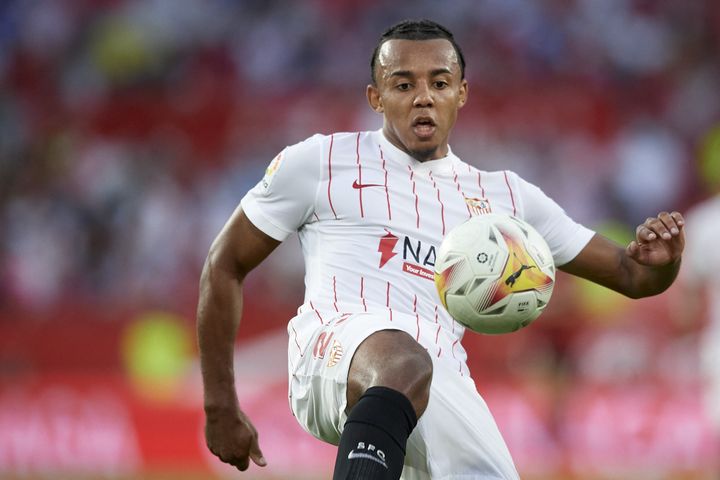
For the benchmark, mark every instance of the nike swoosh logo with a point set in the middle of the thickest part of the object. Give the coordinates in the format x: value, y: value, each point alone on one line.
x: 358, y: 186
x: 354, y: 454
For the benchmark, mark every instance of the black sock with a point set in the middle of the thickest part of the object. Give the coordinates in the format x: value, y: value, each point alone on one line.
x: 372, y: 446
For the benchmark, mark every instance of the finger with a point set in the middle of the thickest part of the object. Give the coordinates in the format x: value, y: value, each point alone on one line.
x: 679, y: 219
x: 632, y: 249
x: 658, y: 226
x: 256, y: 454
x: 643, y: 234
x: 241, y: 463
x: 670, y: 224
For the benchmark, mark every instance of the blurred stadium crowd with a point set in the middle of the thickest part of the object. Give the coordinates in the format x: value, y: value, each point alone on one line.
x: 129, y: 130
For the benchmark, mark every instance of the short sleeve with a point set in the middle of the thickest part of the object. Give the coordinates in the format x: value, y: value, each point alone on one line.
x: 285, y: 197
x: 565, y: 237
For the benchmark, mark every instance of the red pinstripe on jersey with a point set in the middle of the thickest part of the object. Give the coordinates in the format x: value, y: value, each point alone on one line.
x: 387, y: 192
x: 317, y: 313
x: 332, y: 138
x: 417, y: 318
x: 296, y: 341
x: 442, y: 205
x: 357, y: 156
x: 437, y: 335
x: 335, y: 293
x: 343, y: 317
x: 362, y: 292
x: 479, y: 178
x: 461, y: 191
x: 417, y: 199
x: 512, y: 197
x: 453, y: 355
x: 387, y: 300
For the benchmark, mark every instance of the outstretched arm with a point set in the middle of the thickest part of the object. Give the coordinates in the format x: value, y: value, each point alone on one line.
x: 238, y: 248
x: 647, y: 266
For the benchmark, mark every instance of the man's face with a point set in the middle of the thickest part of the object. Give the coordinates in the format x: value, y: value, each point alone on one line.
x: 418, y: 90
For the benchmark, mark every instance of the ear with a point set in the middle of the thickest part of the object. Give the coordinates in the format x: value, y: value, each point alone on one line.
x: 463, y: 96
x: 374, y: 99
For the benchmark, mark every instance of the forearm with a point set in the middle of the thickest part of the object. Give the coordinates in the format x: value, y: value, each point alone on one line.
x: 608, y: 264
x: 218, y: 317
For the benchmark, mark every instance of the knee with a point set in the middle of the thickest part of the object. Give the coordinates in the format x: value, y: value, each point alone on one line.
x: 395, y: 360
x: 410, y: 372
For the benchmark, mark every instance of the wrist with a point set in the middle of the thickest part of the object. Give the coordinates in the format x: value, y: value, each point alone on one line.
x: 220, y: 413
x: 219, y: 403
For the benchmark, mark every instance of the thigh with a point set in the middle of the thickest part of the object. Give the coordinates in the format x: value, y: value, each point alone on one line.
x: 457, y: 437
x: 318, y: 386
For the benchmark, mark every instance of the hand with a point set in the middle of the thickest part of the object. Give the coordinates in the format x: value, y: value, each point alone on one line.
x: 659, y: 240
x: 232, y: 438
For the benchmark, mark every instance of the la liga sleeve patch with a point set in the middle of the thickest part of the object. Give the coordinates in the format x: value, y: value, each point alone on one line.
x: 270, y: 171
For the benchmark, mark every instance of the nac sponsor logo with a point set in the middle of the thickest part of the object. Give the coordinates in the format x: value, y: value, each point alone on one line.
x: 418, y: 257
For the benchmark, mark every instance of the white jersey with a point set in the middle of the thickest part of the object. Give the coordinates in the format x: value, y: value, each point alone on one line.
x: 701, y: 269
x: 370, y: 219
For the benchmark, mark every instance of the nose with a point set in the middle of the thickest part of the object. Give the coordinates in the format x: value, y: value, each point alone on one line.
x: 423, y: 97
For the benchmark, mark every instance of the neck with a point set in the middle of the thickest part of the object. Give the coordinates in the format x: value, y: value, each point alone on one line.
x: 421, y: 155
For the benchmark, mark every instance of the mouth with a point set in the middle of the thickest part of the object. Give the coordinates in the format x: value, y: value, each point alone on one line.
x: 423, y: 127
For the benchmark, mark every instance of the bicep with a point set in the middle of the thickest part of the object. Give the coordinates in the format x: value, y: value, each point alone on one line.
x: 240, y: 246
x: 601, y: 261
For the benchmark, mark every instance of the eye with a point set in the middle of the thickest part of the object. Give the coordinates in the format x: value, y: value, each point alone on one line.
x: 403, y: 87
x: 440, y: 84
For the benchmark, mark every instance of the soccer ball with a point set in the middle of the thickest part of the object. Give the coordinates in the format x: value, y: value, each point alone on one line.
x: 494, y: 273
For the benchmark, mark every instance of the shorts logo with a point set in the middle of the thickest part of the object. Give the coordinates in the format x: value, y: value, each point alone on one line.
x: 321, y: 348
x: 321, y: 345
x: 336, y: 354
x: 478, y: 206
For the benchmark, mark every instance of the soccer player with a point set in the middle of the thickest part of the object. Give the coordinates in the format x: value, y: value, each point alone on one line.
x: 375, y: 363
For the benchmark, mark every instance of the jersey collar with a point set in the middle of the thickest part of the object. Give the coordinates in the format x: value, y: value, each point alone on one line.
x: 396, y: 155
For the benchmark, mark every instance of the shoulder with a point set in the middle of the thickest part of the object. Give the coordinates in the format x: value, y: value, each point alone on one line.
x: 308, y: 147
x: 506, y: 178
x: 322, y: 143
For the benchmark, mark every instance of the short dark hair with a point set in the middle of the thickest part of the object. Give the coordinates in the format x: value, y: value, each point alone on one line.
x: 416, y: 30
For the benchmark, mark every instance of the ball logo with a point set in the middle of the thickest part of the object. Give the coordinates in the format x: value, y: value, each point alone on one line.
x: 521, y: 272
x: 482, y: 257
